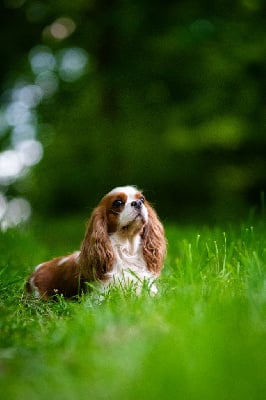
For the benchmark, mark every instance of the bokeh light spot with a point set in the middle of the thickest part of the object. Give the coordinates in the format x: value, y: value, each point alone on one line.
x: 17, y: 210
x: 48, y: 82
x: 10, y: 166
x: 62, y: 28
x: 30, y: 152
x: 41, y: 59
x: 72, y: 63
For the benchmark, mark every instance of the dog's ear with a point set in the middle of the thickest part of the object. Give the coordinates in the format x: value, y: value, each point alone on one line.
x: 154, y: 242
x: 96, y: 257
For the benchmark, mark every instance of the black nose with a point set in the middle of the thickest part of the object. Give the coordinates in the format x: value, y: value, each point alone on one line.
x: 137, y: 204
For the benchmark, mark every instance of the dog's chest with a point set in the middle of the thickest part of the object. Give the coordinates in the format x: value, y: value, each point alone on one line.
x: 129, y: 264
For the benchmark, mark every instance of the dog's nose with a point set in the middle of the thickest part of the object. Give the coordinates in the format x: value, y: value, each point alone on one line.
x: 137, y: 204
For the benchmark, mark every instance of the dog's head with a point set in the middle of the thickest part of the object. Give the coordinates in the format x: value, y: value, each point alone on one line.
x: 126, y: 213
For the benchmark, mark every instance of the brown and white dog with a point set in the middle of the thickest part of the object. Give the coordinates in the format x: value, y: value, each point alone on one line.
x: 124, y: 244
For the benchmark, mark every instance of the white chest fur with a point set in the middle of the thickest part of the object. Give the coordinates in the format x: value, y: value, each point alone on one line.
x: 129, y: 266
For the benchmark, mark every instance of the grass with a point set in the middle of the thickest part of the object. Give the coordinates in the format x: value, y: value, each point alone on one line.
x: 202, y: 337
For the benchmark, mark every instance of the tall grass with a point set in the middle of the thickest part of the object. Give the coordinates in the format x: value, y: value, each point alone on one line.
x: 202, y: 337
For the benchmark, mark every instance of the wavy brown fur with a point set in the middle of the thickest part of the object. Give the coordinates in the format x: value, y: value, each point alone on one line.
x: 154, y: 243
x: 96, y: 257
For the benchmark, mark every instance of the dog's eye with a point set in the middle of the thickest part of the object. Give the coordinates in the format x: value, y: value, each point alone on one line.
x: 118, y: 203
x: 142, y: 199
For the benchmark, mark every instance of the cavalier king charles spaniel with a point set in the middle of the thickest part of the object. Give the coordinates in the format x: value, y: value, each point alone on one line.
x: 124, y: 245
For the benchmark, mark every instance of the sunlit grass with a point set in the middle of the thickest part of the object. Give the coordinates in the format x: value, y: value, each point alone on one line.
x: 202, y: 337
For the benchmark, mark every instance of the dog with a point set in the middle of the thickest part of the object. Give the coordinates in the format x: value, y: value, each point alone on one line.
x: 124, y: 245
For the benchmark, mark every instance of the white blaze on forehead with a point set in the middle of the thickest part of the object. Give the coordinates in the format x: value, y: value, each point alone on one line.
x: 130, y: 191
x: 129, y: 213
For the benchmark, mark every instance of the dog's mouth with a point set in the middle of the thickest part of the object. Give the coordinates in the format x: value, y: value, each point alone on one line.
x: 137, y: 222
x: 139, y: 216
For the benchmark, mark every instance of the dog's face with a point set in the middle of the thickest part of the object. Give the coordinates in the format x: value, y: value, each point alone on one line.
x: 126, y: 210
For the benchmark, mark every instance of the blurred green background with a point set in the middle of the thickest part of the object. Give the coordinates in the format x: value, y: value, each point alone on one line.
x: 169, y: 96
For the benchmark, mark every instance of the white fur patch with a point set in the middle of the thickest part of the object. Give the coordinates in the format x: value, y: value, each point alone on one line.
x: 73, y: 256
x: 34, y: 288
x: 130, y: 191
x: 63, y: 260
x: 76, y: 255
x: 38, y: 267
x: 129, y: 266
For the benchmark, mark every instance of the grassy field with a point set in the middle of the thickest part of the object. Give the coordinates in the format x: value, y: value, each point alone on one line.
x: 202, y: 337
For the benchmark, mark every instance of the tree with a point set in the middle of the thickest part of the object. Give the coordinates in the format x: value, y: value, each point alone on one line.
x: 169, y: 96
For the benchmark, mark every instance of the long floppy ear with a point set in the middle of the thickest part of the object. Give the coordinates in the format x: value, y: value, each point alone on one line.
x: 154, y: 242
x: 96, y: 256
